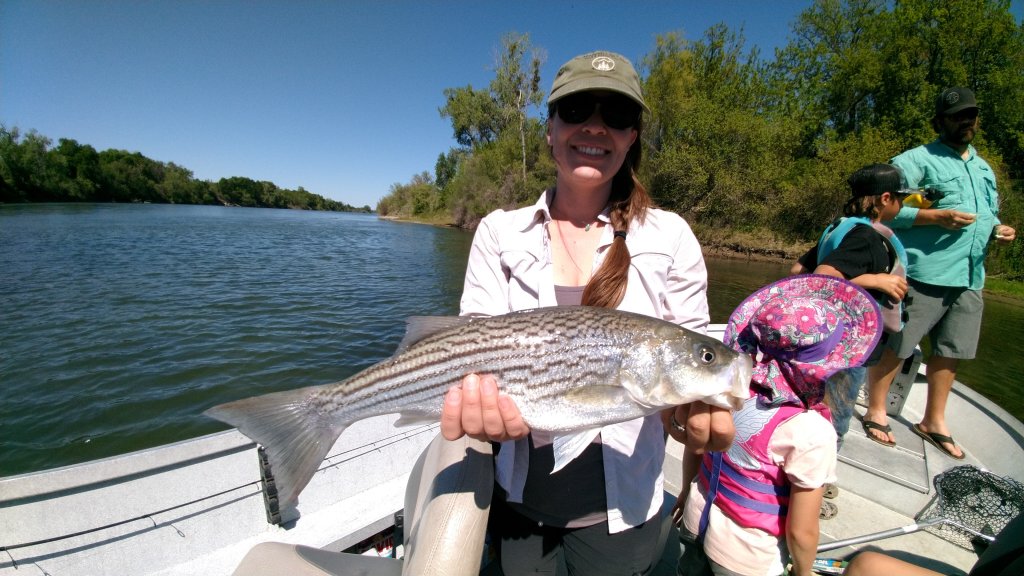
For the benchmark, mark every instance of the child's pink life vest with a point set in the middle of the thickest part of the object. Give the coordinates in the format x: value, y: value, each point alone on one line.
x: 744, y: 483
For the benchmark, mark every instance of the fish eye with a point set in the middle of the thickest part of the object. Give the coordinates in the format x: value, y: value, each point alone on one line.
x: 706, y: 355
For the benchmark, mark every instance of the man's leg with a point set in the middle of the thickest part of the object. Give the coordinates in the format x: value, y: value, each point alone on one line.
x: 954, y: 338
x: 941, y: 374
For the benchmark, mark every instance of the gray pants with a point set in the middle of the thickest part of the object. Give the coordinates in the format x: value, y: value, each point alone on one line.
x: 949, y: 317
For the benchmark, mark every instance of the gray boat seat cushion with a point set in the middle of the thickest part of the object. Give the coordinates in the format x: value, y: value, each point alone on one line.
x: 447, y: 501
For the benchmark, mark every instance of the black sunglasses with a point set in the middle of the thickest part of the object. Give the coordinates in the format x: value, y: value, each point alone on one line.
x: 965, y: 114
x: 618, y: 112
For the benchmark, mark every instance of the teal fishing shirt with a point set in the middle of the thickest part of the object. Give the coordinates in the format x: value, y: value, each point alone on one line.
x: 935, y: 255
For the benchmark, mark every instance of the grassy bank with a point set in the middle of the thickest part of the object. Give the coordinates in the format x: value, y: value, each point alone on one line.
x: 1006, y: 289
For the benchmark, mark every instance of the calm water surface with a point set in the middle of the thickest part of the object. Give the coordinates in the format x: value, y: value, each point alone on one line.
x: 120, y: 324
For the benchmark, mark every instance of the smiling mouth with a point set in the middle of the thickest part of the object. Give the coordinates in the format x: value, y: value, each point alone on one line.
x: 591, y: 151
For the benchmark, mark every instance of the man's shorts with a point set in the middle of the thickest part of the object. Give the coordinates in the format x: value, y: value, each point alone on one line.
x: 950, y: 317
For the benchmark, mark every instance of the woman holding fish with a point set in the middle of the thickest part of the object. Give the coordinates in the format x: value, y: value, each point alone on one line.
x: 592, y: 499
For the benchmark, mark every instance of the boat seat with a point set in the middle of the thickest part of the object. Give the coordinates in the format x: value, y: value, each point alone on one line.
x: 447, y: 501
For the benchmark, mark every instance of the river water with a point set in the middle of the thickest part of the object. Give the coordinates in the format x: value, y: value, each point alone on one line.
x: 120, y: 324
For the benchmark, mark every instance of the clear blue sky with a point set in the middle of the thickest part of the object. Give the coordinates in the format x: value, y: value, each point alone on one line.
x: 338, y: 97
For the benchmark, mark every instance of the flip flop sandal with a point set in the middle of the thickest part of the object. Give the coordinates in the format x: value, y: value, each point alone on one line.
x: 831, y: 490
x: 936, y: 439
x: 886, y: 429
x: 828, y: 510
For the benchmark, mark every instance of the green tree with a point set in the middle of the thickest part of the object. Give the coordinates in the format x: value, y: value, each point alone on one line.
x: 474, y: 115
x: 717, y: 156
x: 828, y: 74
x: 128, y: 177
x: 973, y: 43
x: 502, y: 150
x: 762, y: 148
x: 178, y: 186
x: 23, y: 165
x: 516, y: 86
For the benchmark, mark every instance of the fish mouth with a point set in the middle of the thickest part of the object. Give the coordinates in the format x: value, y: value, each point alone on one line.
x: 738, y: 375
x: 741, y: 381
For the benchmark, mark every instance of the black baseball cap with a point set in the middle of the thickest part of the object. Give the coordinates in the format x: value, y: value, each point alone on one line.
x: 953, y: 100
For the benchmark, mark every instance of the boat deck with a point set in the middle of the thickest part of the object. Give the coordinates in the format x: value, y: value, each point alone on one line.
x: 196, y: 507
x: 882, y: 488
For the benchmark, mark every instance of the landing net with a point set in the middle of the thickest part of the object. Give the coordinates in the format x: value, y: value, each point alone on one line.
x: 976, y: 500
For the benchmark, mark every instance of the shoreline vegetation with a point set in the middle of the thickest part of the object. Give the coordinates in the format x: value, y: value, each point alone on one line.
x: 32, y: 170
x: 754, y: 151
x: 749, y: 248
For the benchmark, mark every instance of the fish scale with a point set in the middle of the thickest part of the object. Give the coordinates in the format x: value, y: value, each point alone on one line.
x: 568, y: 369
x: 440, y: 362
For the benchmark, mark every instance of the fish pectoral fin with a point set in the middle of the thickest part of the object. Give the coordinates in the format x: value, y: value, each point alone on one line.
x: 419, y: 327
x: 599, y: 396
x: 567, y: 447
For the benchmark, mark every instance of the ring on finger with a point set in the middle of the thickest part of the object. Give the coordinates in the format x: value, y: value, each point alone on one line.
x: 676, y: 425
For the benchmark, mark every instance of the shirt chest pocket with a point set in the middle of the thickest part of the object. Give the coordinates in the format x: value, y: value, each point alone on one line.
x: 652, y: 265
x: 948, y: 192
x: 988, y: 185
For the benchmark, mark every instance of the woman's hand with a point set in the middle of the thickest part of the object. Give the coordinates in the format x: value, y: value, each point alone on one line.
x: 478, y: 410
x: 701, y: 427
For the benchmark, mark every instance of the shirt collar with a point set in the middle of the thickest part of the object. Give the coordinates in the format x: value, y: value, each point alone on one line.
x: 971, y: 152
x: 542, y: 212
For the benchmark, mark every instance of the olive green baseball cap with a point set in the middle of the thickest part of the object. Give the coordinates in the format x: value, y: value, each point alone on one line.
x: 598, y: 71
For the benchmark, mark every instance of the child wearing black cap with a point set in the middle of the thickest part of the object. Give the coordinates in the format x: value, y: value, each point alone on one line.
x: 859, y: 248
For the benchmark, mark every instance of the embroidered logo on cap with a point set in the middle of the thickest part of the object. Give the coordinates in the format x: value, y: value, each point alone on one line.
x: 603, y: 64
x: 952, y: 98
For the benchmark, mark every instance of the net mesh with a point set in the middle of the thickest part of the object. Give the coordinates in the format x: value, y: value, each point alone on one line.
x: 975, y: 498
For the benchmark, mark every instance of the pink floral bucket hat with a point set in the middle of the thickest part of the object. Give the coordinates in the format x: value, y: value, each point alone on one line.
x: 801, y: 330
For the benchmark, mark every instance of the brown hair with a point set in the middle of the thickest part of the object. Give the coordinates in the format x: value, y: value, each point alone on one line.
x: 861, y: 206
x: 629, y: 201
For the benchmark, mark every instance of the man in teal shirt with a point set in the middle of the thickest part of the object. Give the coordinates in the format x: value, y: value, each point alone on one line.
x: 946, y: 244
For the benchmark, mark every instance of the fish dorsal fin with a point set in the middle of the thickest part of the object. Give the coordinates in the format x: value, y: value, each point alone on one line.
x: 419, y: 327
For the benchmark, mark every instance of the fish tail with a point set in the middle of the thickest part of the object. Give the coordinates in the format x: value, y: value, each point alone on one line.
x: 295, y: 435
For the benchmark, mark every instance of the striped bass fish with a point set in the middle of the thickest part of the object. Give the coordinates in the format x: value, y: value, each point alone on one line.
x: 569, y: 369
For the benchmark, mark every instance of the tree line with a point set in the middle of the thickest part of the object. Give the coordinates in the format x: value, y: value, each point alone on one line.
x: 33, y: 170
x: 755, y: 151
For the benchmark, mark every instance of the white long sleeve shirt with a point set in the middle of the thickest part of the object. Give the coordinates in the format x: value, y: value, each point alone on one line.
x: 510, y: 269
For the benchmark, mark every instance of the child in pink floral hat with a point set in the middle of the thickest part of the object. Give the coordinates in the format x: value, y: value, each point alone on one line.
x: 749, y: 508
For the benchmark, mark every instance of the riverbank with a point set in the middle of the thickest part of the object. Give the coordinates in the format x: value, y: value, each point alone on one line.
x: 763, y: 248
x: 995, y: 288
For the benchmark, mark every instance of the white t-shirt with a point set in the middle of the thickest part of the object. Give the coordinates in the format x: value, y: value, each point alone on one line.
x: 805, y: 447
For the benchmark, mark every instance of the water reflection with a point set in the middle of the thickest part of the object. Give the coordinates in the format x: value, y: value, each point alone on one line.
x: 121, y: 323
x: 731, y: 281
